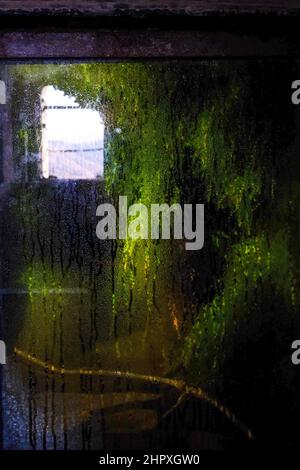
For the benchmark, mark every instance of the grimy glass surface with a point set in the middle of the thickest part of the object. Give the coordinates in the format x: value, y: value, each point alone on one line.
x: 130, y: 344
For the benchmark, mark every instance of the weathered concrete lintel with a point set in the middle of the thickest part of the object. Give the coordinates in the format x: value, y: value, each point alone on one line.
x: 137, y: 44
x: 93, y: 29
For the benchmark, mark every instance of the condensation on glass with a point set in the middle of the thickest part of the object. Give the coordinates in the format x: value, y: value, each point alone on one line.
x: 102, y: 336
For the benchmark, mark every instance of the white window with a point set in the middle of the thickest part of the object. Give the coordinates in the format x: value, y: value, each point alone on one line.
x: 72, y: 138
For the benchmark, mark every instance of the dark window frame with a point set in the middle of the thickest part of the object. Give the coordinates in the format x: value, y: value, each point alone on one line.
x: 55, y: 37
x: 38, y: 38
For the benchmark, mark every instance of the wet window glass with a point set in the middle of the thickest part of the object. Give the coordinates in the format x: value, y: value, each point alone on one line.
x: 148, y: 341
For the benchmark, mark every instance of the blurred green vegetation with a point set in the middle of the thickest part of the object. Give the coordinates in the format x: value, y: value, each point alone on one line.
x: 219, y: 133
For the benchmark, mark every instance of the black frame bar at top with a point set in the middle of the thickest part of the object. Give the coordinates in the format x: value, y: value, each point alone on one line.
x: 69, y: 37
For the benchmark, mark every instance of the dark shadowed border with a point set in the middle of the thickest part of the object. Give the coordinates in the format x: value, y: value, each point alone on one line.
x: 53, y: 37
